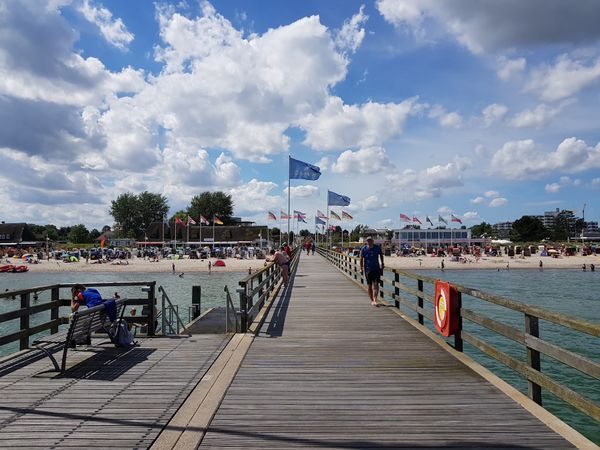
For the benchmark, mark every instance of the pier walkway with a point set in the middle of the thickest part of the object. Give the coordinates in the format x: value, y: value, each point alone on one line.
x: 327, y: 370
x: 108, y: 398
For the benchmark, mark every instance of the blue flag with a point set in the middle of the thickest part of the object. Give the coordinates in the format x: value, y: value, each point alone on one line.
x: 319, y: 221
x: 303, y: 171
x: 334, y: 199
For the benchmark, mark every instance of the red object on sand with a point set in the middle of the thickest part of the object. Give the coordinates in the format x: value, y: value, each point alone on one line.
x: 219, y: 263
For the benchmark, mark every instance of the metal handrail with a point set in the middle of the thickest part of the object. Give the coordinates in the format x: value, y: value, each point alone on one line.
x: 392, y: 290
x: 167, y: 305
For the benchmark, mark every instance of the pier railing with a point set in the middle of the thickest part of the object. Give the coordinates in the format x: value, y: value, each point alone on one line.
x: 396, y: 290
x: 255, y: 289
x: 32, y: 307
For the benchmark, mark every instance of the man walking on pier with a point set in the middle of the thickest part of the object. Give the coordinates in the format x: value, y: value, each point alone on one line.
x: 370, y: 255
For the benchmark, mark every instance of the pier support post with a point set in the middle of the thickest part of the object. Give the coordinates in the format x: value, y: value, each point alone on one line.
x: 54, y: 298
x: 532, y: 327
x: 397, y: 290
x: 243, y: 307
x: 420, y: 300
x: 152, y: 309
x: 196, y: 301
x: 458, y: 340
x: 25, y: 304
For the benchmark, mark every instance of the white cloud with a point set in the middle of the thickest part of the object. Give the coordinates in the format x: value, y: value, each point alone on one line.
x: 537, y: 117
x: 491, y: 194
x: 471, y: 215
x: 497, y: 202
x: 595, y: 183
x: 477, y: 201
x: 114, y: 30
x: 304, y: 191
x: 445, y: 119
x: 324, y: 163
x: 493, y: 113
x: 254, y: 196
x: 430, y: 182
x: 445, y: 210
x: 524, y: 159
x: 339, y: 126
x: 565, y: 78
x: 553, y: 188
x: 508, y: 67
x: 371, y: 203
x: 489, y: 26
x: 351, y: 35
x: 385, y: 223
x: 363, y: 161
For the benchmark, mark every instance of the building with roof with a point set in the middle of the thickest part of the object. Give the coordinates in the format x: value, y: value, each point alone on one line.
x: 16, y: 235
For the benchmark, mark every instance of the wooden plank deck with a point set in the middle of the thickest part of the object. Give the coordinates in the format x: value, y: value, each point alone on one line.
x: 330, y: 371
x: 109, y: 398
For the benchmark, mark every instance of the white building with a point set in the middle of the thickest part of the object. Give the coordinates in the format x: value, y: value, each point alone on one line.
x: 422, y: 238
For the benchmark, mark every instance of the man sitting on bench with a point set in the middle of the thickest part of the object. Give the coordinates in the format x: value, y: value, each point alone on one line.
x: 80, y: 294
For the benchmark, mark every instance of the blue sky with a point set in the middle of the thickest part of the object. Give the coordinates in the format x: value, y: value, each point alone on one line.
x: 485, y: 110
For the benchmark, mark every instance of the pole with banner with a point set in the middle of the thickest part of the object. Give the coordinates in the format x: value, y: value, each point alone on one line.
x: 334, y: 199
x: 299, y: 170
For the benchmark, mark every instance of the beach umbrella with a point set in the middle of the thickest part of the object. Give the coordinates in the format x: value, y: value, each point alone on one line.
x: 219, y: 263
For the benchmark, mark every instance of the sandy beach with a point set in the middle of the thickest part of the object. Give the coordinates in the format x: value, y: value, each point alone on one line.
x: 139, y: 265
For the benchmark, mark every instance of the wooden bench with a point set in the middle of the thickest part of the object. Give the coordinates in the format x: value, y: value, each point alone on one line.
x: 81, y: 326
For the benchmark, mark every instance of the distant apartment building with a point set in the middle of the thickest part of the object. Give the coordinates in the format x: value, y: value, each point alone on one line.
x: 591, y: 227
x: 502, y: 229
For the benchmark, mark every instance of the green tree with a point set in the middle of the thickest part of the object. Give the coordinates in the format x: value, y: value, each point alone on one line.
x: 63, y: 233
x: 304, y: 233
x: 528, y: 229
x: 135, y: 213
x: 79, y: 234
x: 481, y: 229
x: 211, y: 203
x: 355, y: 234
x: 51, y: 232
x: 181, y: 214
x: 94, y: 234
x: 274, y: 232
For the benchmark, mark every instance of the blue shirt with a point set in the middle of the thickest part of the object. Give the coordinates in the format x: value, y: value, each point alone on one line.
x: 371, y: 256
x: 91, y: 297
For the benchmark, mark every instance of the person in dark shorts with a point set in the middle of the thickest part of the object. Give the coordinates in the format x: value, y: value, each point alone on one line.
x: 370, y: 255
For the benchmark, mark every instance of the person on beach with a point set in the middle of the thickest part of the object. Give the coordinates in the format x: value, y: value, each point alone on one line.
x: 541, y: 265
x: 173, y: 266
x: 443, y: 265
x: 209, y: 267
x: 281, y: 258
x: 592, y: 268
x: 370, y: 255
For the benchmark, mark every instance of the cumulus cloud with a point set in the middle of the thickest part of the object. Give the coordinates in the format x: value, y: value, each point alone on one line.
x: 493, y: 113
x: 304, y: 191
x: 254, y: 196
x: 339, y: 126
x: 491, y: 194
x: 553, y: 188
x: 524, y: 159
x: 371, y: 203
x: 565, y: 78
x: 445, y: 210
x: 490, y: 26
x: 363, y: 161
x: 471, y: 215
x: 430, y: 182
x: 113, y: 30
x: 351, y: 35
x: 477, y: 200
x: 508, y: 67
x: 497, y: 202
x: 537, y: 117
x: 324, y: 163
x: 445, y: 119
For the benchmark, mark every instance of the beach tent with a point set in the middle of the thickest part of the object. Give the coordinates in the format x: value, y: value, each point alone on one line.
x: 219, y: 263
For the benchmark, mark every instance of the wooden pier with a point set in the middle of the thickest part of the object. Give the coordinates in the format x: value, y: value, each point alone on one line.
x: 323, y: 369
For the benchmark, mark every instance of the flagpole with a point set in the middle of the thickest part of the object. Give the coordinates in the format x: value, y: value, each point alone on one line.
x: 200, y: 235
x: 188, y: 231
x: 328, y: 230
x: 213, y: 238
